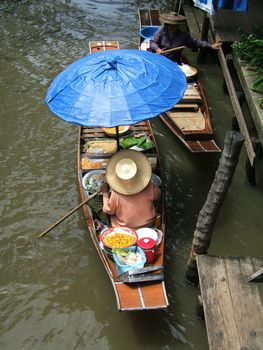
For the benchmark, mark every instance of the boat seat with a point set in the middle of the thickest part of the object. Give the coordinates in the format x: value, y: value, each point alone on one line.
x: 192, y: 106
x: 188, y: 121
x: 191, y: 95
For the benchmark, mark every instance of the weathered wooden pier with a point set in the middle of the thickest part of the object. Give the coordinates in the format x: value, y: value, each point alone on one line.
x: 226, y: 26
x: 233, y: 306
x: 231, y: 300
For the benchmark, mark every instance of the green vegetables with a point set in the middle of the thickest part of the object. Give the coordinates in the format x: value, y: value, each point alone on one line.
x: 250, y: 49
x: 143, y: 142
x: 121, y: 252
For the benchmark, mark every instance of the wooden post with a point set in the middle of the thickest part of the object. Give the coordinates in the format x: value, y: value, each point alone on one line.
x: 251, y: 168
x: 208, y: 214
x: 204, y: 36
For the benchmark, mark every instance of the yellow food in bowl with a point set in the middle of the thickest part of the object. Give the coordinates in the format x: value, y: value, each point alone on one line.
x: 113, y: 130
x: 119, y: 240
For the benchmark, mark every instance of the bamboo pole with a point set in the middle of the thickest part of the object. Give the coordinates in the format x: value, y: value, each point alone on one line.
x: 173, y: 49
x: 67, y: 215
x: 216, y: 195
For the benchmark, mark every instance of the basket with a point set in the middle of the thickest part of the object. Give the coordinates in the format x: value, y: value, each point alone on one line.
x: 124, y: 268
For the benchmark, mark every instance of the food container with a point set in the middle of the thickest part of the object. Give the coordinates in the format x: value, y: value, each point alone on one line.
x: 101, y: 147
x: 112, y: 131
x: 93, y: 163
x: 93, y: 180
x: 189, y: 71
x: 118, y: 237
x: 148, y: 245
x: 127, y: 267
x: 147, y: 232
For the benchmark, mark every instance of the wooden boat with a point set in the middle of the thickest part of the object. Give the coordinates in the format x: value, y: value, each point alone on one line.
x: 129, y: 296
x: 189, y: 120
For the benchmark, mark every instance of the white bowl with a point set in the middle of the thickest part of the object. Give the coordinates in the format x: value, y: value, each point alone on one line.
x: 88, y: 176
x: 147, y: 232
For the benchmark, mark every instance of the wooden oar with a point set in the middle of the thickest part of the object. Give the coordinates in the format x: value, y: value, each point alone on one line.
x: 67, y: 215
x: 174, y: 49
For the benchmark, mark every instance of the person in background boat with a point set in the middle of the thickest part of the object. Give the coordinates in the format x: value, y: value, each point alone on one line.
x: 170, y: 36
x: 131, y: 201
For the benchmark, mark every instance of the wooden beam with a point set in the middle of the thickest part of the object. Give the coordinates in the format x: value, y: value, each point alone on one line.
x: 256, y: 277
x: 246, y: 78
x: 236, y: 106
x: 192, y: 21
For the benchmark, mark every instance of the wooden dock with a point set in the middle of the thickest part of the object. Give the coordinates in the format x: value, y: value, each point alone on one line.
x: 233, y: 307
x: 226, y: 26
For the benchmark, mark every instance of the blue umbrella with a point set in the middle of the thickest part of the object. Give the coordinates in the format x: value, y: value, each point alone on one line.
x: 116, y: 87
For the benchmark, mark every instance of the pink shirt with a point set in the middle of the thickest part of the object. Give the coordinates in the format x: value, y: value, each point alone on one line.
x: 133, y: 211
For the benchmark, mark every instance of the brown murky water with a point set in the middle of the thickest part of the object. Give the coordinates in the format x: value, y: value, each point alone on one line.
x: 54, y: 292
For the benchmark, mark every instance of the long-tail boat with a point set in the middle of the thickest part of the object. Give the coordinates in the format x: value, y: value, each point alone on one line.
x: 142, y: 295
x: 189, y: 120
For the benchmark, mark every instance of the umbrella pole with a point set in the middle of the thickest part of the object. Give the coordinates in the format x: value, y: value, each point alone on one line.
x: 117, y: 138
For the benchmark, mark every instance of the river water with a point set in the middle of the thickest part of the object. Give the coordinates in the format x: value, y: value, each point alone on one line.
x: 54, y: 292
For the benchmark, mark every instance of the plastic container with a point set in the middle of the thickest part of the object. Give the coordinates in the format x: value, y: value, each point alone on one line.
x: 146, y: 232
x: 148, y: 245
x: 124, y: 268
x: 156, y: 180
x: 148, y: 32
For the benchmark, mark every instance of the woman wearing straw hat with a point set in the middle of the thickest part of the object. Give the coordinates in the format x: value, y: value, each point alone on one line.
x: 170, y: 36
x: 131, y: 202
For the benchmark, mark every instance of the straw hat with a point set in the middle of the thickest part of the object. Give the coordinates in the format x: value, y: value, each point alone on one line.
x: 128, y: 172
x: 171, y: 18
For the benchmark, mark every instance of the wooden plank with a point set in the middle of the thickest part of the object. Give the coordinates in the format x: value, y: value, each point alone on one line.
x: 232, y: 306
x: 155, y: 17
x: 209, y: 146
x: 221, y: 326
x: 246, y: 301
x: 193, y: 106
x: 192, y: 22
x: 246, y: 78
x: 236, y: 106
x: 154, y: 295
x: 98, y: 46
x: 144, y: 17
x: 194, y: 146
x: 149, y: 17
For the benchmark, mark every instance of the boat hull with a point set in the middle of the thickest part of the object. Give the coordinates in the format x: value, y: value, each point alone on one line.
x: 189, y: 120
x: 129, y: 297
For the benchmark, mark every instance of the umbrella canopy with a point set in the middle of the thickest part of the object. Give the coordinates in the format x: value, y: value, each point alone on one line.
x: 116, y: 87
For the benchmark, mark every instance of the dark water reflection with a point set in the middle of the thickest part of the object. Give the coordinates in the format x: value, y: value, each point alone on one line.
x: 54, y: 292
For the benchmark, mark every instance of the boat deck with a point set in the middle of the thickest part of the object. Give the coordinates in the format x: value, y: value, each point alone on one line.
x: 226, y: 26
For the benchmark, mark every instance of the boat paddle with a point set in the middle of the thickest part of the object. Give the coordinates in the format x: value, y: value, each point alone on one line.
x: 67, y: 215
x: 174, y: 49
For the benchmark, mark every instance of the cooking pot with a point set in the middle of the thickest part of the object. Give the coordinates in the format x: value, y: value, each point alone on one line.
x: 148, y: 245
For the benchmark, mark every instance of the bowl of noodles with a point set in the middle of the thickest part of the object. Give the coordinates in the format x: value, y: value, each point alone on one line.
x: 112, y: 131
x: 118, y: 237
